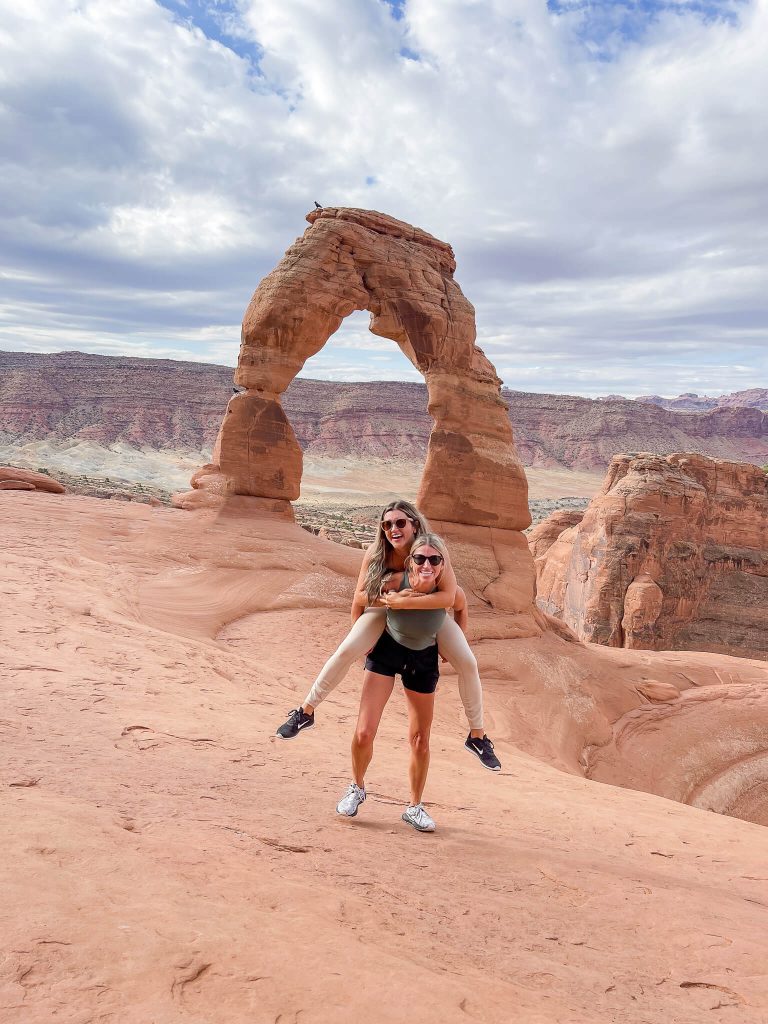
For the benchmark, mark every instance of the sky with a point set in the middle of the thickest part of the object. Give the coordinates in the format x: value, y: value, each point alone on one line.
x: 600, y: 169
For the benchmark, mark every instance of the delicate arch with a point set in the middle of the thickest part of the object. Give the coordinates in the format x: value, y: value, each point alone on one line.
x: 351, y: 259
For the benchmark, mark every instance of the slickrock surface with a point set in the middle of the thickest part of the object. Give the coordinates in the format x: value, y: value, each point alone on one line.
x: 52, y: 403
x: 671, y: 555
x: 352, y: 259
x: 166, y: 859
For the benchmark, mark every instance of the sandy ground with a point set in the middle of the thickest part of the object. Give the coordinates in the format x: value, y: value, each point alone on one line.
x: 369, y: 482
x: 120, y: 462
x: 166, y: 860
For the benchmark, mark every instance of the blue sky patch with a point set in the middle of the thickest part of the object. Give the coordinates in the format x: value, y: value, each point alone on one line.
x: 605, y: 25
x: 397, y: 7
x: 216, y: 20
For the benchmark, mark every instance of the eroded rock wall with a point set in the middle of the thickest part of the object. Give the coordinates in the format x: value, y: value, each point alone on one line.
x: 672, y: 554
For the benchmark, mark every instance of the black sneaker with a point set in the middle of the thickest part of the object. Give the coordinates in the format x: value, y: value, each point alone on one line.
x: 483, y: 749
x: 297, y: 720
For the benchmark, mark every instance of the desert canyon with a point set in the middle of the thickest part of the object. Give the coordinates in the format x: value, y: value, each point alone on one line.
x: 167, y: 859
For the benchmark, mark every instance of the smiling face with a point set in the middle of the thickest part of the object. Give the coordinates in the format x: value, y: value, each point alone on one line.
x: 399, y: 529
x: 425, y: 576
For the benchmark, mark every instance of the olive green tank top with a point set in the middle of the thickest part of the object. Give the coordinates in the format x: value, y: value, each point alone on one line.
x: 411, y: 628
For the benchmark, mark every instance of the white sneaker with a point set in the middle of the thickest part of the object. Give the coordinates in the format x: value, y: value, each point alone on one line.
x: 351, y: 800
x: 415, y: 815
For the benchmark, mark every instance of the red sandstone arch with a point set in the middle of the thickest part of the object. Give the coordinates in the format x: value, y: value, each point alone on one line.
x: 350, y: 259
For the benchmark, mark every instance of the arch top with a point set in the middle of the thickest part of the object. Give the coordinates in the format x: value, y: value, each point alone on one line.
x: 383, y: 224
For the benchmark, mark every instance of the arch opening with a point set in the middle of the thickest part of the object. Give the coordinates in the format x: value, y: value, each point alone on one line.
x: 359, y: 412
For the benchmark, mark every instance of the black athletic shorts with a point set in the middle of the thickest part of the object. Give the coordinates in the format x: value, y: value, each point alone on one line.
x: 418, y: 668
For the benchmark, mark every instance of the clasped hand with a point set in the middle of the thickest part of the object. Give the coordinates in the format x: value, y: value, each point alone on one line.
x: 398, y: 598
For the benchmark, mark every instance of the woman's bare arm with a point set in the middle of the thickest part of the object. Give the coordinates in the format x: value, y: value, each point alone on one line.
x: 413, y: 599
x: 360, y: 598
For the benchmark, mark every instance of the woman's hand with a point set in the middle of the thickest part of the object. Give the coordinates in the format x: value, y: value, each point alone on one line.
x: 400, y: 598
x: 414, y: 599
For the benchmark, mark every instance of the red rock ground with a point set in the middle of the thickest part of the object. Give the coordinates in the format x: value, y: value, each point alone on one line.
x: 165, y: 859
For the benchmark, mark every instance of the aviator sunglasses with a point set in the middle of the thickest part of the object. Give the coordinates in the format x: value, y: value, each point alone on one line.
x: 432, y: 559
x: 388, y: 525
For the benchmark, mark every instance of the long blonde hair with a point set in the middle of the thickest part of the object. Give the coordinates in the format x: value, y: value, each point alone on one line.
x: 382, y: 546
x: 432, y: 540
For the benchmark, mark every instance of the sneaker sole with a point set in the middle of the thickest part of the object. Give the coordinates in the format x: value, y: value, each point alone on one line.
x: 486, y: 766
x: 281, y: 737
x: 414, y: 825
x: 345, y: 814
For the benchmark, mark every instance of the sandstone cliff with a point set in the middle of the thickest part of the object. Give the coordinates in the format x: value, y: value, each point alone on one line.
x: 671, y: 555
x: 170, y: 404
x: 564, y: 430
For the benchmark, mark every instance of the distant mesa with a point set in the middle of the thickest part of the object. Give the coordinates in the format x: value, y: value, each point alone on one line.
x: 123, y: 400
x: 13, y: 479
x: 672, y: 554
x: 690, y: 402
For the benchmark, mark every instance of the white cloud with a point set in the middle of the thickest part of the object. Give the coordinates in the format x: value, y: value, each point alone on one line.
x: 607, y: 214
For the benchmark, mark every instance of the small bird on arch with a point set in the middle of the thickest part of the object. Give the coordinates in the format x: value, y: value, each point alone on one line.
x: 317, y: 205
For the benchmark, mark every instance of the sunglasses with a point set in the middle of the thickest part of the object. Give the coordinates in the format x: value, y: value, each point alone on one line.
x: 432, y: 559
x: 389, y: 524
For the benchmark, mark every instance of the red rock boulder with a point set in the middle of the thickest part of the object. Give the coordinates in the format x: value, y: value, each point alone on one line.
x: 27, y: 480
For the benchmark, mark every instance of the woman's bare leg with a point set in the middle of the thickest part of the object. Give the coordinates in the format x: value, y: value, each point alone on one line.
x: 359, y: 640
x: 421, y: 708
x: 453, y: 646
x: 377, y: 690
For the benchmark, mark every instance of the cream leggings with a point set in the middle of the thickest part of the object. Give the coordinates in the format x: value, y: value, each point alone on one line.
x: 452, y: 645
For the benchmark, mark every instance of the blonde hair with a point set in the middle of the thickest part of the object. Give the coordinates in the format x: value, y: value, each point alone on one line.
x: 382, y: 546
x: 431, y: 540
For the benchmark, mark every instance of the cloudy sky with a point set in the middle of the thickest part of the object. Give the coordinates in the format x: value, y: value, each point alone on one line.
x: 600, y: 168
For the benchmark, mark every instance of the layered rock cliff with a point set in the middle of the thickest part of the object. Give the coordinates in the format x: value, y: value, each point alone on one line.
x: 672, y: 554
x: 564, y: 430
x: 170, y: 404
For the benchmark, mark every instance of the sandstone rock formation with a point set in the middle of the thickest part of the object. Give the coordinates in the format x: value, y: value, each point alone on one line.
x: 12, y: 478
x: 352, y: 259
x: 671, y: 555
x: 543, y: 536
x: 16, y: 485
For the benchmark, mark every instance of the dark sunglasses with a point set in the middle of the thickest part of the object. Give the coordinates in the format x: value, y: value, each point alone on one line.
x: 432, y: 559
x: 388, y: 525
